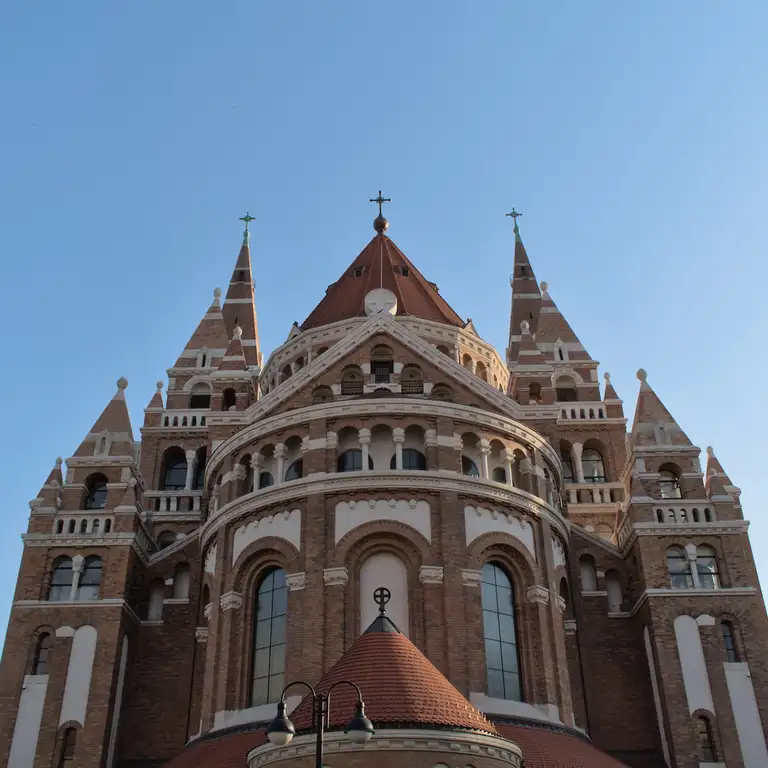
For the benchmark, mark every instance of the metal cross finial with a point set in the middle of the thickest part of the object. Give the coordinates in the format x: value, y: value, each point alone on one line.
x: 380, y: 200
x: 247, y: 219
x: 382, y: 595
x: 514, y: 214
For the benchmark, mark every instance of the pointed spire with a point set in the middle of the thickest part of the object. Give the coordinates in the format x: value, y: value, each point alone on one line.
x: 210, y: 338
x: 526, y: 296
x: 56, y: 477
x: 157, y: 398
x: 555, y: 331
x: 113, y: 424
x: 653, y: 423
x: 610, y: 392
x: 716, y: 480
x: 234, y: 357
x: 239, y: 304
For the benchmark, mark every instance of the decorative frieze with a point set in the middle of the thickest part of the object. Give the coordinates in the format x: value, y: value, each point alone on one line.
x: 431, y: 574
x: 335, y: 577
x: 470, y: 578
x: 296, y: 581
x: 231, y: 601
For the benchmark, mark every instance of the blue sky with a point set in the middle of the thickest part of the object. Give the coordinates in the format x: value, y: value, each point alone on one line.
x: 631, y: 135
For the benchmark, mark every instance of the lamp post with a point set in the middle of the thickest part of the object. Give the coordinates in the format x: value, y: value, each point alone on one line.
x: 359, y: 728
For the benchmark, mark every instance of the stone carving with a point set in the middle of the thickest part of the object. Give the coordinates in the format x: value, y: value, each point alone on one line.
x: 231, y: 601
x: 481, y: 520
x: 431, y: 574
x: 350, y: 515
x: 296, y: 581
x: 334, y: 577
x: 284, y: 525
x: 470, y: 578
x: 538, y: 594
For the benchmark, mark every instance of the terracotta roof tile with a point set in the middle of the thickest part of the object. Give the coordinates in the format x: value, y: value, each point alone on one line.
x: 227, y: 751
x: 400, y: 686
x: 380, y: 265
x: 547, y: 748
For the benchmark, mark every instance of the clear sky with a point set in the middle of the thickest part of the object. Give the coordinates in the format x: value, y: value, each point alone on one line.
x: 133, y: 135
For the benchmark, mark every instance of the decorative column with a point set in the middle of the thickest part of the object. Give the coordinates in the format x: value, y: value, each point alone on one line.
x: 238, y: 481
x: 485, y: 450
x: 509, y: 458
x: 331, y: 451
x: 364, y: 435
x: 578, y: 469
x: 690, y: 553
x: 343, y: 626
x: 280, y: 461
x: 190, y: 470
x: 430, y: 443
x: 230, y: 604
x: 398, y: 437
x: 77, y: 569
x: 433, y: 591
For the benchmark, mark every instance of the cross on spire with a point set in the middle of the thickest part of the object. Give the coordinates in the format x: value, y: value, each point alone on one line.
x: 247, y: 219
x: 514, y: 214
x: 382, y: 595
x: 380, y: 200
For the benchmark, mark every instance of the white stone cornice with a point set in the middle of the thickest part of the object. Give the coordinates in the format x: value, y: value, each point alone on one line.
x: 231, y: 601
x: 136, y: 542
x: 296, y: 581
x: 343, y: 482
x: 719, y: 528
x: 431, y: 574
x: 107, y: 602
x: 470, y: 578
x: 335, y: 577
x: 671, y: 592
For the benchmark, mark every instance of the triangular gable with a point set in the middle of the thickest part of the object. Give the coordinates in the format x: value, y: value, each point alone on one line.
x: 389, y: 325
x: 210, y: 334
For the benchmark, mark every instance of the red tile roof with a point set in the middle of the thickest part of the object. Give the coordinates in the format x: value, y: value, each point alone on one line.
x: 226, y: 751
x: 544, y: 747
x: 381, y: 262
x: 400, y: 686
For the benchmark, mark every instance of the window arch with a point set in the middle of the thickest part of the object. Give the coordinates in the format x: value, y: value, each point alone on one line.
x: 352, y: 381
x: 565, y: 390
x: 499, y: 475
x: 198, y: 480
x: 60, y: 526
x: 706, y: 568
x: 588, y: 573
x: 200, y: 396
x: 567, y: 462
x: 322, y: 395
x: 295, y: 471
x: 669, y: 483
x: 90, y: 579
x: 706, y: 744
x: 442, y: 392
x: 468, y: 467
x: 67, y: 758
x: 613, y: 587
x: 266, y: 480
x: 412, y: 380
x: 534, y: 392
x: 174, y: 477
x: 269, y: 638
x: 352, y: 461
x: 679, y: 568
x: 181, y: 581
x: 42, y: 653
x: 729, y: 641
x: 61, y: 580
x: 480, y: 371
x: 96, y: 491
x: 382, y: 363
x: 412, y: 459
x: 502, y: 660
x: 592, y: 463
x: 228, y: 399
x: 165, y: 539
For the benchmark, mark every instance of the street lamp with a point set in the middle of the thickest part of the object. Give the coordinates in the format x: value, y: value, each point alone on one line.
x: 359, y: 728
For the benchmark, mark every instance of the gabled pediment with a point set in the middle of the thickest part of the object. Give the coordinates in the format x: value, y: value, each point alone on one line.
x: 484, y: 394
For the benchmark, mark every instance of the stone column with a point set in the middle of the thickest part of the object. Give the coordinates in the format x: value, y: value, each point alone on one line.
x: 364, y: 435
x: 331, y: 450
x: 398, y: 437
x: 430, y: 443
x: 485, y: 450
x: 509, y: 458
x: 190, y: 470
x: 280, y: 462
x: 77, y: 569
x: 578, y: 469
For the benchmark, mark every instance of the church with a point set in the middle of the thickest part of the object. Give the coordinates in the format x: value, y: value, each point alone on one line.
x: 479, y: 554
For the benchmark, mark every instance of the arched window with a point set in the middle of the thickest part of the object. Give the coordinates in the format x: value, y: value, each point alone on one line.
x: 71, y: 526
x: 501, y: 657
x: 60, y: 526
x: 499, y: 475
x: 729, y: 641
x: 90, y: 579
x: 83, y: 527
x: 412, y: 380
x: 198, y: 480
x: 266, y: 479
x: 67, y: 758
x: 156, y: 598
x: 669, y: 485
x: 228, y: 399
x: 175, y: 470
x: 95, y: 527
x: 480, y: 371
x: 165, y: 539
x: 679, y: 568
x: 707, y: 752
x: 42, y: 652
x: 200, y: 396
x: 706, y: 567
x: 695, y: 513
x: 61, y: 580
x: 412, y: 459
x: 565, y: 390
x: 382, y: 364
x: 269, y: 638
x: 708, y: 515
x: 442, y: 392
x: 181, y: 580
x: 322, y: 395
x: 534, y: 392
x: 468, y: 467
x: 295, y: 471
x: 352, y: 381
x: 592, y: 462
x: 613, y: 587
x: 96, y: 492
x: 352, y: 461
x: 588, y: 573
x: 107, y: 526
x: 659, y: 515
x: 565, y: 459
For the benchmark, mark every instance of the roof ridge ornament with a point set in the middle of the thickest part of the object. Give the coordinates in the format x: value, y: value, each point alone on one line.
x: 246, y: 234
x: 380, y: 224
x: 513, y: 214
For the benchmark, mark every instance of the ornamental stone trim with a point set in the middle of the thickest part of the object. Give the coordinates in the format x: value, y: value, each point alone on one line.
x: 537, y: 594
x: 335, y: 577
x: 431, y: 574
x: 470, y: 578
x: 296, y: 581
x: 231, y: 601
x: 569, y: 625
x: 208, y: 611
x: 201, y: 634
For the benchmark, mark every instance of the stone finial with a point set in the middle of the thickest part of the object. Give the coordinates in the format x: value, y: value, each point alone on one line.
x: 710, y: 451
x: 216, y: 296
x: 59, y: 461
x: 237, y: 333
x: 642, y: 374
x: 525, y: 326
x: 122, y: 382
x: 544, y: 286
x: 607, y: 377
x: 159, y: 385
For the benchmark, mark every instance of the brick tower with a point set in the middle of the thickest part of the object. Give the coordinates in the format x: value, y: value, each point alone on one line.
x: 563, y: 592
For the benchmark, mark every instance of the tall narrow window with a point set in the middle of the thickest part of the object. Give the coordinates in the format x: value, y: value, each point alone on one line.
x: 295, y: 471
x: 588, y: 571
x: 175, y: 471
x: 90, y: 579
x: 679, y: 568
x: 352, y: 461
x: 468, y: 467
x: 67, y: 759
x: 42, y: 652
x: 731, y: 652
x: 501, y: 657
x: 266, y: 480
x: 567, y: 462
x: 669, y: 485
x: 706, y: 566
x: 61, y: 580
x: 96, y: 492
x: 594, y: 469
x: 269, y: 638
x: 707, y: 752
